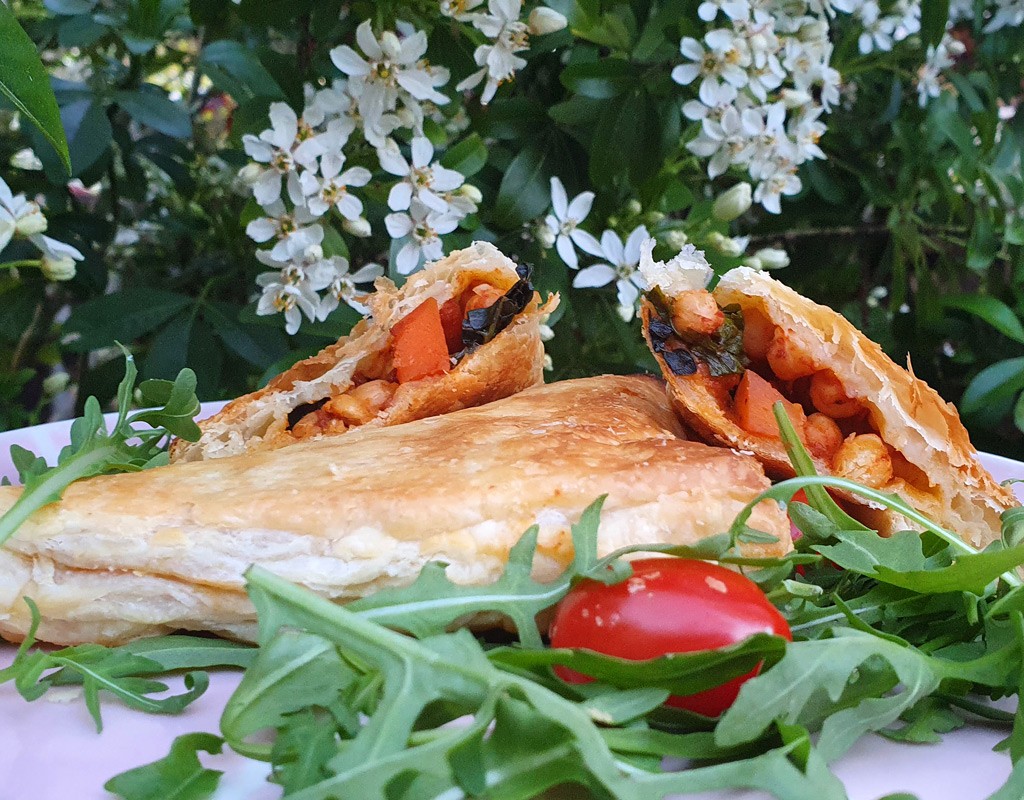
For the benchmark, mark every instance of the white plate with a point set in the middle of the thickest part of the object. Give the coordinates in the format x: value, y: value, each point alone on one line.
x: 49, y: 750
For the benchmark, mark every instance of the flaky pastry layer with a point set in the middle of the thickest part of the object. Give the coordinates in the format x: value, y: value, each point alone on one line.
x: 140, y: 554
x: 509, y: 363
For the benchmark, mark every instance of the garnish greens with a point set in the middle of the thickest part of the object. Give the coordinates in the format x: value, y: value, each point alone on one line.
x: 137, y: 441
x: 908, y: 636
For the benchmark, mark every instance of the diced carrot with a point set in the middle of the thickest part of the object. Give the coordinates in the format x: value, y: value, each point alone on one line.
x: 753, y: 404
x: 420, y: 350
x: 451, y: 321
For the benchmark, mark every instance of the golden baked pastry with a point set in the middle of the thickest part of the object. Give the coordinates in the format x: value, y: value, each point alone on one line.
x: 860, y: 415
x: 353, y: 382
x: 145, y: 553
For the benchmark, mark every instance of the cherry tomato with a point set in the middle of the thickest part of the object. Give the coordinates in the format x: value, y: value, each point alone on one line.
x: 669, y: 605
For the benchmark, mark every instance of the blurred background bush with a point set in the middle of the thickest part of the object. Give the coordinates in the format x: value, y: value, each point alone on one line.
x: 240, y: 171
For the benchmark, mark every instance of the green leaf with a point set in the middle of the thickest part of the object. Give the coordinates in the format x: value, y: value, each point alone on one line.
x: 468, y: 157
x: 294, y: 671
x: 600, y: 80
x: 525, y: 190
x: 261, y: 346
x: 934, y: 16
x: 616, y: 708
x: 177, y: 776
x: 96, y: 451
x: 629, y: 145
x: 997, y: 383
x: 990, y: 309
x: 150, y: 106
x: 236, y: 69
x: 825, y: 669
x: 925, y: 723
x: 23, y: 81
x: 122, y: 316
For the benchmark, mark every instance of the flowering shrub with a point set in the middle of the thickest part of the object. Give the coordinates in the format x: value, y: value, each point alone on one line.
x: 242, y: 173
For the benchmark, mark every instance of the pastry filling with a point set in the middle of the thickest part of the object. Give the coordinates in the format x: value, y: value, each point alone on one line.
x: 427, y: 343
x: 749, y: 364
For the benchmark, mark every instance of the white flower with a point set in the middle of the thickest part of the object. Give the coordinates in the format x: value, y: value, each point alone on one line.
x: 621, y: 267
x: 331, y: 189
x: 544, y: 20
x: 424, y: 228
x: 332, y: 103
x: 293, y: 232
x: 687, y: 270
x: 499, y: 61
x: 18, y: 216
x: 58, y: 259
x: 1009, y: 14
x: 391, y: 71
x: 938, y: 59
x: 424, y: 179
x: 726, y: 58
x: 281, y: 147
x: 292, y: 300
x: 729, y: 141
x: 459, y: 9
x: 733, y: 202
x: 717, y: 100
x: 564, y: 224
x: 783, y: 181
x: 342, y: 287
x: 733, y: 9
x: 26, y: 159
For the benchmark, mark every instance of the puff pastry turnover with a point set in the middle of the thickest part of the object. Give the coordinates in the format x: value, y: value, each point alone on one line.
x: 353, y: 382
x: 141, y: 554
x: 860, y: 415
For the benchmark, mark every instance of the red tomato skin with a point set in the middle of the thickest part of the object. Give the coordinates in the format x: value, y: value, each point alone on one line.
x: 669, y: 605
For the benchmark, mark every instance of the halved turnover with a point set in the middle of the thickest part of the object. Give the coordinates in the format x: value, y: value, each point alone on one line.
x: 150, y: 552
x: 730, y: 355
x: 463, y: 332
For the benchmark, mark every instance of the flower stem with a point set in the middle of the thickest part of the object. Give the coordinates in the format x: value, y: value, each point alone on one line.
x: 25, y: 263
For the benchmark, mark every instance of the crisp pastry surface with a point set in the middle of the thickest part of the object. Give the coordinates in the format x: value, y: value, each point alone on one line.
x: 140, y: 554
x: 509, y: 363
x: 941, y: 476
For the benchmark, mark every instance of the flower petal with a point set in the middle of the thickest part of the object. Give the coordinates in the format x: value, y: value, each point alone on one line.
x: 559, y: 200
x: 422, y: 151
x: 399, y: 197
x: 368, y: 42
x: 580, y: 206
x: 566, y: 252
x: 587, y: 243
x: 408, y: 258
x: 592, y: 277
x: 348, y: 61
x: 398, y: 225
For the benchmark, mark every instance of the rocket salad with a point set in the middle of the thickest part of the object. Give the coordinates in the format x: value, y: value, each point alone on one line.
x: 907, y: 636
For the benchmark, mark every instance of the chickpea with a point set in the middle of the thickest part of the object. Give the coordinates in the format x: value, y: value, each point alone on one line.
x: 823, y: 436
x: 375, y: 394
x: 829, y: 398
x: 696, y: 310
x: 784, y: 359
x: 316, y: 423
x: 864, y: 458
x: 757, y: 334
x: 349, y: 409
x: 483, y: 296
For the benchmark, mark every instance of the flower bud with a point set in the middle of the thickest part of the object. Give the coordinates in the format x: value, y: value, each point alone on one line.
x: 250, y: 173
x: 676, y: 239
x: 545, y: 20
x: 31, y: 222
x: 57, y: 268
x: 26, y: 159
x: 732, y: 203
x: 724, y: 244
x: 471, y: 193
x: 653, y: 217
x: 633, y: 207
x: 546, y: 333
x: 55, y: 383
x: 772, y: 258
x: 754, y: 263
x: 549, y: 365
x: 358, y: 227
x: 545, y: 236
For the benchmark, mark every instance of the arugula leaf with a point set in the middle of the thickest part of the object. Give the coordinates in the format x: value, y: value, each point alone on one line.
x: 178, y: 776
x: 925, y: 722
x: 118, y: 671
x: 96, y: 451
